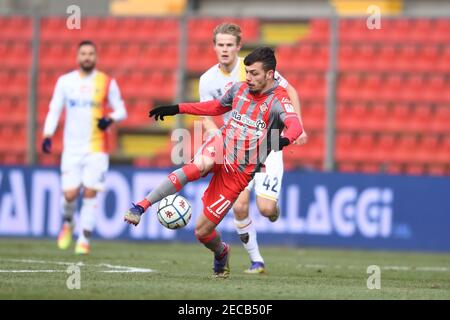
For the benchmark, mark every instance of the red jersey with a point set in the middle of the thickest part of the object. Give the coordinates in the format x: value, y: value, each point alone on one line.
x: 255, y: 124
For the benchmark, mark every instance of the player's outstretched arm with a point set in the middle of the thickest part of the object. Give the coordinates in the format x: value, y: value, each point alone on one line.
x: 207, y: 108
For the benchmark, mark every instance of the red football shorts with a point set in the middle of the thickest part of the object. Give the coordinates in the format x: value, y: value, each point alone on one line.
x: 226, y: 183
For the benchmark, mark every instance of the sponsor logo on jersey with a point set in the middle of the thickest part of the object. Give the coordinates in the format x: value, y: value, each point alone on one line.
x: 73, y: 103
x: 244, y: 119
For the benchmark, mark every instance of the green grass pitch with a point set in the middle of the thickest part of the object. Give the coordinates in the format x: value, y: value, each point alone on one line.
x: 36, y: 269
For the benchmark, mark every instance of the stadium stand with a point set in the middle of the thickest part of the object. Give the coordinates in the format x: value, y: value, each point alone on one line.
x: 392, y: 93
x: 393, y: 102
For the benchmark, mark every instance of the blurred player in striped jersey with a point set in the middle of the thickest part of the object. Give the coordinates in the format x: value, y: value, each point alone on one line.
x: 262, y: 119
x: 213, y: 84
x: 84, y: 93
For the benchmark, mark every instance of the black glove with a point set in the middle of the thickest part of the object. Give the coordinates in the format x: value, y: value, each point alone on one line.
x: 104, y: 123
x: 163, y: 111
x: 284, y: 142
x: 47, y: 145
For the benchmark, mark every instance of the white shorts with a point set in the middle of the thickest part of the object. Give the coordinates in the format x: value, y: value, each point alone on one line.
x: 268, y: 184
x: 87, y: 169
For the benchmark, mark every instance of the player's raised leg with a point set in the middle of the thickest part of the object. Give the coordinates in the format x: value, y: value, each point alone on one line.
x: 172, y: 184
x: 247, y: 233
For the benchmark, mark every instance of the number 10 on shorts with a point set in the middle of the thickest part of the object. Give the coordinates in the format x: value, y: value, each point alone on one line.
x: 220, y: 206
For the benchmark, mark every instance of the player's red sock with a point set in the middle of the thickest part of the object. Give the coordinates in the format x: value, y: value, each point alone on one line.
x: 186, y: 174
x: 191, y: 171
x: 214, y: 243
x: 208, y: 238
x: 144, y: 204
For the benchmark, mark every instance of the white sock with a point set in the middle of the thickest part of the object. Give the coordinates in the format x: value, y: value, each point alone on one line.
x: 246, y: 230
x: 68, y: 210
x: 87, y: 219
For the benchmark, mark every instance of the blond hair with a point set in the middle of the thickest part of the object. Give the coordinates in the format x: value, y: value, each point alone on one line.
x: 228, y: 28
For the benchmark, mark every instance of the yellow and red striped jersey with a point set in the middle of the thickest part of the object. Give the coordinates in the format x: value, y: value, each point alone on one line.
x: 85, y: 99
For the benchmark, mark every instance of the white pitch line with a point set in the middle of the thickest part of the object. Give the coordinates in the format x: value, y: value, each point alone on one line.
x: 395, y: 268
x: 114, y: 268
x: 123, y: 268
x: 30, y: 271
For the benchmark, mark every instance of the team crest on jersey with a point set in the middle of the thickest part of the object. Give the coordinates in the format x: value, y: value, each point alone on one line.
x: 263, y: 107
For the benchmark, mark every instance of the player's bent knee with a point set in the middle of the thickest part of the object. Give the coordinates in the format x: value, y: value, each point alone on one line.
x: 204, y: 164
x: 240, y: 210
x: 268, y: 209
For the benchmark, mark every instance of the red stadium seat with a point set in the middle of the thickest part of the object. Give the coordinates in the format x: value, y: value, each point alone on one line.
x: 392, y: 88
x: 310, y: 86
x: 421, y: 30
x: 440, y: 121
x: 407, y: 56
x: 356, y: 117
x: 414, y: 169
x: 427, y: 149
x: 319, y: 30
x: 344, y: 147
x: 348, y: 86
x: 313, y: 116
x: 363, y: 148
x: 441, y: 31
x: 18, y: 55
x: 406, y: 149
x: 377, y: 116
x: 200, y: 58
x: 348, y: 167
x: 420, y: 119
x: 371, y: 168
x: 15, y: 28
x: 437, y: 170
x: 384, y: 148
x: 427, y: 58
x: 442, y: 154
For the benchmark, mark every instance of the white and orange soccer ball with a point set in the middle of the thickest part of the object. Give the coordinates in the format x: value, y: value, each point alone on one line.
x: 174, y: 211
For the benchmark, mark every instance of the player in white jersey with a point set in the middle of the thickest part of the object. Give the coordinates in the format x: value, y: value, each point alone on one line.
x: 213, y: 84
x: 84, y: 93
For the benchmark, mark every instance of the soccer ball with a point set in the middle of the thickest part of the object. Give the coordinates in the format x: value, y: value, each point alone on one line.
x: 174, y: 211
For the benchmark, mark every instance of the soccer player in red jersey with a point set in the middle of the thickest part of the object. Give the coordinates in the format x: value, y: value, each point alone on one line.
x: 260, y: 111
